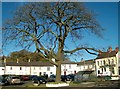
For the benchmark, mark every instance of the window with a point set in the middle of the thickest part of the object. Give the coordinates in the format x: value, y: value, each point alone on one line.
x: 98, y: 71
x: 102, y: 70
x: 109, y: 61
x: 20, y: 68
x: 112, y: 70
x: 51, y: 73
x: 101, y: 62
x: 10, y: 68
x: 48, y: 68
x: 105, y: 69
x: 98, y: 63
x: 69, y: 66
x: 84, y: 67
x: 40, y: 73
x: 39, y: 68
x: 112, y: 61
x: 44, y: 73
x: 104, y: 62
x: 64, y: 66
x: 34, y: 68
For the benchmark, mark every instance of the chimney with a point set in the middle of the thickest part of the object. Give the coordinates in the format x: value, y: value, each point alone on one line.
x: 4, y: 60
x: 17, y: 60
x: 116, y: 49
x: 100, y: 52
x: 28, y: 60
x: 110, y: 49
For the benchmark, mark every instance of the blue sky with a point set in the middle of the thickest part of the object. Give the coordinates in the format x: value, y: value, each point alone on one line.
x: 106, y: 14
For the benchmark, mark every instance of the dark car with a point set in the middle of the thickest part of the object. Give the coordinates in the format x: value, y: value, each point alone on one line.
x: 3, y: 81
x: 72, y: 76
x: 32, y: 77
x: 25, y: 77
x: 39, y: 80
x: 65, y: 78
x: 51, y: 78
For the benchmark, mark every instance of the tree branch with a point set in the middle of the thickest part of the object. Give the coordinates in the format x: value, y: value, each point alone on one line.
x: 83, y: 48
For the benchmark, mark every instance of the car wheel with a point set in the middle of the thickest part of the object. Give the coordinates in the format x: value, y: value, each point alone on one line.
x: 36, y: 83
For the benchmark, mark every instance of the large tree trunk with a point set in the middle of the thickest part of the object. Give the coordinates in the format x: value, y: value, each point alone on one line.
x: 58, y: 72
x: 59, y: 62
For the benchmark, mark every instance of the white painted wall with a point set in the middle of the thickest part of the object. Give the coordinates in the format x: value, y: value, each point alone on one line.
x: 1, y: 70
x: 69, y: 69
x: 113, y: 60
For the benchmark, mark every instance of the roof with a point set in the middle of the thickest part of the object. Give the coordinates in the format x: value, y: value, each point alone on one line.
x: 40, y: 63
x: 1, y: 64
x: 85, y: 72
x: 106, y: 54
x: 86, y: 62
x: 68, y: 62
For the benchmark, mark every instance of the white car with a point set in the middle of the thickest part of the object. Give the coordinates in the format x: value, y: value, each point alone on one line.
x: 13, y: 80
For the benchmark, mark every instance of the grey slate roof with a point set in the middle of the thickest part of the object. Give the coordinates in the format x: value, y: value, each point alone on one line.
x: 29, y: 64
x: 106, y: 54
x: 38, y: 63
x: 86, y: 62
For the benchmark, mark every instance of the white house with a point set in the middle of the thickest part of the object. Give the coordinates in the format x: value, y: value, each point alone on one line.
x: 29, y: 68
x: 86, y: 66
x: 1, y: 68
x: 69, y: 67
x: 107, y: 64
x: 38, y: 68
x: 41, y: 68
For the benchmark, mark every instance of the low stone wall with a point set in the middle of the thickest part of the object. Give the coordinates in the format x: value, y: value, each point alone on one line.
x: 57, y: 85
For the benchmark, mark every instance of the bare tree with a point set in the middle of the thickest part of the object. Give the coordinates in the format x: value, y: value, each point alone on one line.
x: 48, y: 26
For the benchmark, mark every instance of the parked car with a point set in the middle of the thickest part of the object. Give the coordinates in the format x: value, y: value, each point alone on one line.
x: 25, y: 77
x: 51, y: 78
x: 39, y: 80
x: 3, y: 81
x: 65, y: 78
x: 72, y: 76
x: 13, y: 80
x: 32, y: 76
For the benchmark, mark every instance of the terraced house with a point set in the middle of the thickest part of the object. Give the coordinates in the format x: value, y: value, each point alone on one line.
x: 108, y: 63
x: 37, y: 68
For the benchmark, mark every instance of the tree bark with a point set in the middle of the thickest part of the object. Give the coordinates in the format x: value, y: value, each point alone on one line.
x: 58, y: 72
x: 59, y: 62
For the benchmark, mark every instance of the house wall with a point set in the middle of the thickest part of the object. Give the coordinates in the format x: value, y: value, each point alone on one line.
x: 1, y: 70
x: 39, y: 70
x: 86, y: 67
x: 69, y: 69
x: 105, y: 66
x: 17, y: 70
x: 35, y: 70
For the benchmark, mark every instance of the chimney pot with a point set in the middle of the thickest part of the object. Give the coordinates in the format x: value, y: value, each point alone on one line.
x: 116, y: 49
x: 110, y: 49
